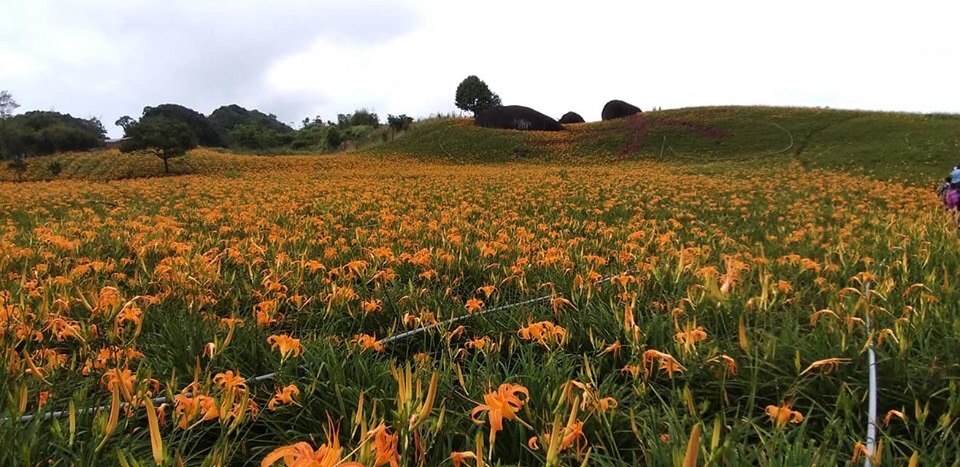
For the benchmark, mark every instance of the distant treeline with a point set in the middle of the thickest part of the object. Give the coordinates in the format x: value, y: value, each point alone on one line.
x: 39, y: 133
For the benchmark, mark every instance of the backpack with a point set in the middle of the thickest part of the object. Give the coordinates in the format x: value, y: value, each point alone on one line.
x: 951, y: 198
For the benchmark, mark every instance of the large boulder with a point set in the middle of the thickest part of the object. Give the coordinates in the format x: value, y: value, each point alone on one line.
x: 516, y: 117
x: 571, y: 117
x: 618, y: 109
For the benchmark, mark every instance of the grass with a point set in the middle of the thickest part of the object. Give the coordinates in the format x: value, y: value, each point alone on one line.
x: 911, y: 148
x: 749, y: 278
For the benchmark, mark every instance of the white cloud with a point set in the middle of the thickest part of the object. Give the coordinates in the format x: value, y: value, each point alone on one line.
x: 301, y: 57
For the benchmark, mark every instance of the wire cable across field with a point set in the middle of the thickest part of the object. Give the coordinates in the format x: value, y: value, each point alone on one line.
x: 270, y: 376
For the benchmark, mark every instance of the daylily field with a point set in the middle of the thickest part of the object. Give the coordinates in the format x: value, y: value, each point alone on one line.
x: 631, y: 313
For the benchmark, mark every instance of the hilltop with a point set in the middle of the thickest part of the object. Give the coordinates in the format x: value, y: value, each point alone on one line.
x: 908, y: 147
x: 911, y: 148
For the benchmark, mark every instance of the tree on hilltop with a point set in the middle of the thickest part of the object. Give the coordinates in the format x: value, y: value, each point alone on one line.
x: 163, y: 137
x: 7, y: 104
x: 475, y: 96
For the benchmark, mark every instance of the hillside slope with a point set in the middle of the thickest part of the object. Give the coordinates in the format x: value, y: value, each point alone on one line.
x: 913, y: 148
x: 910, y: 147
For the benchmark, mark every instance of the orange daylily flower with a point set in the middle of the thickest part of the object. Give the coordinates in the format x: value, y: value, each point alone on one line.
x: 286, y: 345
x: 460, y: 457
x: 481, y: 344
x: 368, y: 342
x: 123, y: 380
x: 731, y: 364
x: 612, y: 348
x: 559, y: 304
x: 894, y: 413
x: 544, y: 332
x: 371, y: 306
x: 690, y: 335
x: 303, y: 455
x: 667, y: 363
x: 385, y: 447
x: 131, y: 313
x: 828, y: 365
x: 487, y: 290
x: 284, y: 396
x: 473, y: 305
x: 228, y: 380
x: 781, y: 415
x: 499, y: 405
x: 187, y: 408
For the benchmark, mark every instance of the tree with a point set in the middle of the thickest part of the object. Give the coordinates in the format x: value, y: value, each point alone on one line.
x: 163, y: 137
x: 39, y: 133
x: 333, y: 137
x: 125, y: 122
x: 19, y: 165
x: 473, y: 95
x: 7, y: 104
x: 399, y: 123
x: 206, y: 134
x: 226, y: 119
x: 359, y: 117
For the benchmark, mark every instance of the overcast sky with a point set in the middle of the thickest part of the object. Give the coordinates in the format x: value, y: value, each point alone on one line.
x: 298, y: 58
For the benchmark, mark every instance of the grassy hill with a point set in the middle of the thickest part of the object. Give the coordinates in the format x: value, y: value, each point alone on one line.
x: 908, y: 147
x: 912, y: 148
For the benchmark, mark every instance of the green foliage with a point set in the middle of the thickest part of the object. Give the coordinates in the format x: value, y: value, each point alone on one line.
x: 7, y: 104
x: 357, y: 132
x: 206, y: 134
x: 18, y: 165
x: 125, y: 122
x: 254, y: 136
x: 399, y: 123
x: 163, y: 137
x: 360, y: 117
x: 39, y: 133
x: 473, y: 95
x: 333, y: 137
x: 261, y: 131
x: 55, y: 168
x: 907, y: 147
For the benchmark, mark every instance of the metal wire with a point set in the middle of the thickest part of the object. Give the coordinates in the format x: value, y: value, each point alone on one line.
x: 270, y: 376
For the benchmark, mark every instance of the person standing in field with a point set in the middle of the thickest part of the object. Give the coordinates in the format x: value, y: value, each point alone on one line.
x: 949, y: 191
x: 954, y: 178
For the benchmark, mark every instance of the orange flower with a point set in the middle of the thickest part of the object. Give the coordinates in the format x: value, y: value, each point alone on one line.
x: 487, y: 290
x: 690, y: 335
x: 286, y: 344
x: 500, y: 405
x: 44, y: 396
x: 632, y: 369
x: 781, y: 415
x: 891, y: 414
x: 474, y: 305
x: 187, y: 408
x: 667, y: 363
x: 460, y: 457
x: 828, y: 364
x: 612, y: 348
x: 120, y: 379
x: 368, y: 342
x: 371, y: 306
x: 284, y: 396
x: 481, y: 344
x: 731, y: 364
x: 385, y: 447
x: 131, y: 313
x: 559, y: 303
x: 544, y: 332
x: 302, y: 454
x: 228, y: 380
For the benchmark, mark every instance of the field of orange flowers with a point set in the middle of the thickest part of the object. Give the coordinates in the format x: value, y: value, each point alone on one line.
x: 301, y: 312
